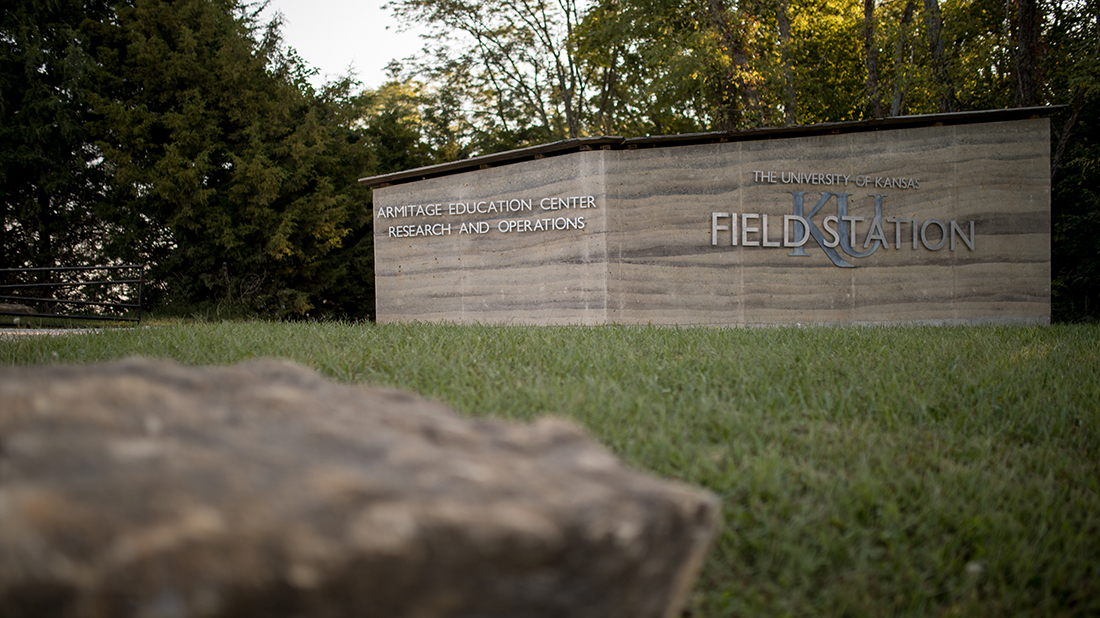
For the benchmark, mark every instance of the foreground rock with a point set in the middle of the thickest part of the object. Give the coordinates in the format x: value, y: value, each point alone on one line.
x: 148, y: 489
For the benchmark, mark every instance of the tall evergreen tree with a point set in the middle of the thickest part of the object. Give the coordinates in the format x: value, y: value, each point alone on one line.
x: 227, y: 168
x: 51, y: 176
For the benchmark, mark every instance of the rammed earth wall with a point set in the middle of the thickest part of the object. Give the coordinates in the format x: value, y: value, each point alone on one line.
x: 942, y: 223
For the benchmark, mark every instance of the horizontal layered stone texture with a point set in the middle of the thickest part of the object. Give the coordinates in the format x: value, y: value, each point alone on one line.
x: 939, y: 224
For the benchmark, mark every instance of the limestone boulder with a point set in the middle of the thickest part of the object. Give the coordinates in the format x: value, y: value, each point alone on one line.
x: 149, y: 489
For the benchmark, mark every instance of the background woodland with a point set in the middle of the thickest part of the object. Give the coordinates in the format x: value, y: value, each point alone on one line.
x: 184, y: 134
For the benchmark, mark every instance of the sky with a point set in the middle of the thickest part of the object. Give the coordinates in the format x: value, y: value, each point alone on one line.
x: 332, y: 35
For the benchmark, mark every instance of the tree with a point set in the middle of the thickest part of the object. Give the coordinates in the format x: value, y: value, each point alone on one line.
x: 385, y: 131
x: 870, y: 53
x: 657, y: 69
x: 399, y: 129
x: 941, y: 75
x: 903, y: 54
x: 51, y: 176
x: 1071, y: 65
x: 790, y: 98
x: 514, y: 61
x: 1027, y: 44
x: 228, y: 170
x: 829, y: 65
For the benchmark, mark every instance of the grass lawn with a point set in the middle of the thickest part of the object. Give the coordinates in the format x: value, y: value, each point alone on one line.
x: 917, y: 471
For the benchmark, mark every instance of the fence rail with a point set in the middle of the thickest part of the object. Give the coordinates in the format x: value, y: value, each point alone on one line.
x: 88, y: 290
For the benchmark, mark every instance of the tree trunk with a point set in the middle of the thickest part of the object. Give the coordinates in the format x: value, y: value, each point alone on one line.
x: 735, y: 85
x: 569, y: 75
x: 945, y: 87
x: 790, y: 100
x: 1027, y: 44
x: 870, y: 54
x: 901, y: 80
x: 608, y: 84
x: 46, y: 219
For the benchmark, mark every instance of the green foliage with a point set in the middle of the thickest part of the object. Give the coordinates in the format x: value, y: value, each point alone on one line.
x: 828, y: 60
x: 183, y: 135
x: 1075, y: 201
x: 397, y: 131
x: 914, y: 471
x: 983, y: 61
x: 227, y: 172
x: 652, y: 64
x: 50, y: 179
x: 1072, y: 64
x: 683, y: 65
x: 514, y: 66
